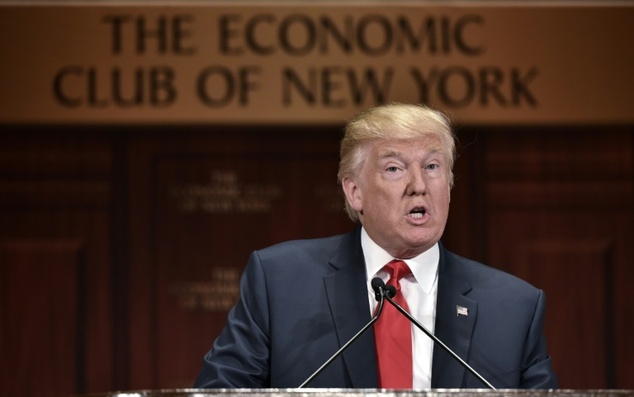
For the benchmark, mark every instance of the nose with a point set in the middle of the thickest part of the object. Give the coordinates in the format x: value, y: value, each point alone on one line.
x: 416, y: 184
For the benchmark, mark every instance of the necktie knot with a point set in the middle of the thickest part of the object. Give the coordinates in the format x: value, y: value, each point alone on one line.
x: 397, y: 269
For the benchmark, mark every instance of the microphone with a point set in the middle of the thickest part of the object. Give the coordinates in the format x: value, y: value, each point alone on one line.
x: 390, y: 294
x: 379, y: 288
x: 380, y: 292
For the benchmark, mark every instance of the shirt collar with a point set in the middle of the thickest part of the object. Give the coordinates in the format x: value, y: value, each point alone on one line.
x: 424, y: 267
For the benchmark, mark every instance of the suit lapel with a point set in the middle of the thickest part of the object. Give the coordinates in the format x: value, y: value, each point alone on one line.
x: 455, y: 319
x: 348, y: 299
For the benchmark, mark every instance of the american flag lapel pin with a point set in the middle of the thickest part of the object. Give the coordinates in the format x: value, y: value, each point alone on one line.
x: 462, y: 311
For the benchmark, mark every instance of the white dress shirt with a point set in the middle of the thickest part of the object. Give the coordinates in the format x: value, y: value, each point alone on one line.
x: 420, y: 290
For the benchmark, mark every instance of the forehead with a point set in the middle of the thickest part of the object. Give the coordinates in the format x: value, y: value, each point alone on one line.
x: 414, y: 147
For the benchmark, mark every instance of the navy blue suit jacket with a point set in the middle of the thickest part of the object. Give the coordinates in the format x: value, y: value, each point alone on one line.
x: 300, y: 301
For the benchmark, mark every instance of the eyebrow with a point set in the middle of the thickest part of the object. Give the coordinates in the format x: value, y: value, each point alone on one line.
x: 390, y: 153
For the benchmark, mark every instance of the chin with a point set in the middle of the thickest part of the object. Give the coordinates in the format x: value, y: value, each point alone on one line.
x: 422, y: 243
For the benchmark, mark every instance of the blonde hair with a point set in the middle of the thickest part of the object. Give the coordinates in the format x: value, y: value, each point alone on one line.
x: 392, y: 121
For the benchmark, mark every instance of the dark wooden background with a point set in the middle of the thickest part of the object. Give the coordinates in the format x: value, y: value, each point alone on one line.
x: 120, y: 247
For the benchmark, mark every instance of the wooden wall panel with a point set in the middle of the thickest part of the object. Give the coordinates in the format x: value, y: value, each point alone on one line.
x: 55, y: 185
x: 210, y: 213
x: 574, y: 275
x: 41, y: 318
x: 558, y: 208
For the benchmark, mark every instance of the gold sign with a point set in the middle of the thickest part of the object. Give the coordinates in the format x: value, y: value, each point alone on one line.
x: 314, y: 62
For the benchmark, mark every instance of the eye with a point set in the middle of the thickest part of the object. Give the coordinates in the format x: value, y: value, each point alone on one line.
x: 432, y: 167
x: 392, y: 169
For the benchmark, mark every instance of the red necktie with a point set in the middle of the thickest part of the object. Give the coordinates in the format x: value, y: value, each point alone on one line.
x: 393, y: 336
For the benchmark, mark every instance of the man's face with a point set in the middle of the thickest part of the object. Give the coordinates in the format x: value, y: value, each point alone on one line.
x: 402, y: 194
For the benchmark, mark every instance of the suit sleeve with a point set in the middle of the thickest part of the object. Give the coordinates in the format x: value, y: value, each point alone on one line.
x: 240, y: 356
x: 538, y: 372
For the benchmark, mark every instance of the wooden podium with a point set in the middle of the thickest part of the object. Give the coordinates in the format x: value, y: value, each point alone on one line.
x: 365, y: 393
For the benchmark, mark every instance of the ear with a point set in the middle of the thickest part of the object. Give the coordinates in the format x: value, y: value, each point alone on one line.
x: 353, y: 193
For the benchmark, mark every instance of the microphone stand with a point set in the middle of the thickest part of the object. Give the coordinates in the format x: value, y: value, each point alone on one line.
x: 438, y: 341
x: 380, y: 295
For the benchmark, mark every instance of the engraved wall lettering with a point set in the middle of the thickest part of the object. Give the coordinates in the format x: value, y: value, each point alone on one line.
x: 224, y: 194
x: 217, y: 295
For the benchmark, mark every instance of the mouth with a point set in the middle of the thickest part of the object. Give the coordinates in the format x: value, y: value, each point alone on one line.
x: 417, y: 212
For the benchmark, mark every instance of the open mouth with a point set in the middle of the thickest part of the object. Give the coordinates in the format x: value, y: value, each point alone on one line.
x: 417, y: 212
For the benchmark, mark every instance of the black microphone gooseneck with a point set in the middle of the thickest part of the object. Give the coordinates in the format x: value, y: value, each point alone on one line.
x: 380, y: 293
x: 390, y: 293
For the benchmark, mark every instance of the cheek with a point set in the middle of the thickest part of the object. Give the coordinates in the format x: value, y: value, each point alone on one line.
x: 382, y: 203
x: 443, y: 195
x: 447, y: 204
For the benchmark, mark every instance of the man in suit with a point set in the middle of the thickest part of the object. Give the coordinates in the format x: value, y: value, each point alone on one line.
x: 300, y: 301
